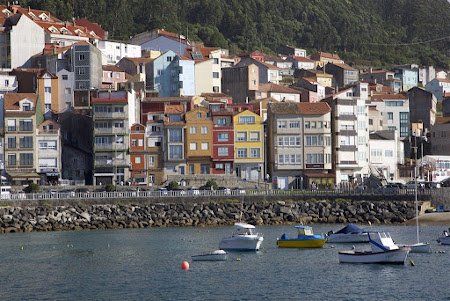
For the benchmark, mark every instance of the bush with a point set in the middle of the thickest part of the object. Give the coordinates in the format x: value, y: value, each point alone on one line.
x: 31, y: 188
x: 172, y: 185
x: 110, y: 187
x: 212, y: 184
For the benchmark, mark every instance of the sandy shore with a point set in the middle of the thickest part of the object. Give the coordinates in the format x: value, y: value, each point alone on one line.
x: 432, y: 219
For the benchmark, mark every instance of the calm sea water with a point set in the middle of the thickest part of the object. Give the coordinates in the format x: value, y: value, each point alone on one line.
x: 145, y: 264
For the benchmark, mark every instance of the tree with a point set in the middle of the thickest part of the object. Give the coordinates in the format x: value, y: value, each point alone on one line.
x: 211, y: 183
x: 172, y: 185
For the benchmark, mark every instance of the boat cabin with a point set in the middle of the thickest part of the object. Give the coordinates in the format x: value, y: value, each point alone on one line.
x: 304, y: 230
x: 243, y: 229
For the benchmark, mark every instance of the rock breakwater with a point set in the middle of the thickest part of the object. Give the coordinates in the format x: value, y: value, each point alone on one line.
x: 111, y: 216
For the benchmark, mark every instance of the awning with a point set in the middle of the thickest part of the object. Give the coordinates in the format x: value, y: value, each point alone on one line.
x: 319, y: 175
x: 52, y: 174
x: 24, y: 175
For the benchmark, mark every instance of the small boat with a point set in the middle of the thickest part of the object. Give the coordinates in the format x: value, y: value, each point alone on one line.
x: 383, y: 250
x: 445, y: 238
x: 244, y: 238
x: 349, y: 234
x: 305, y: 239
x: 420, y: 247
x: 217, y: 255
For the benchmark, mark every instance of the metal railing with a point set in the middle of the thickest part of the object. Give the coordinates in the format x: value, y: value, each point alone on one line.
x: 55, y: 195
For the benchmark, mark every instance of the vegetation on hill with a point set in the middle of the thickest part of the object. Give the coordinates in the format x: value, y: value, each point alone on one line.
x: 363, y: 32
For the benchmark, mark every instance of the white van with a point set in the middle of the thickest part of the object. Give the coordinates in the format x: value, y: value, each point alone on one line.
x: 5, y: 192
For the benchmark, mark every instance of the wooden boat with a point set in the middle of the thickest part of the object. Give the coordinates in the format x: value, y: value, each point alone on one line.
x: 383, y: 250
x: 217, y: 255
x: 305, y: 239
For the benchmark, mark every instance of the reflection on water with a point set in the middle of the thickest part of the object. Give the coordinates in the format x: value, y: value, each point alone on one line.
x: 144, y: 264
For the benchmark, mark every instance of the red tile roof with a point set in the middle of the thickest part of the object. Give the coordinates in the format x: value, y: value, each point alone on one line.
x: 381, y: 97
x: 302, y: 59
x: 112, y: 68
x: 138, y: 60
x: 271, y: 87
x: 11, y: 100
x: 319, y: 55
x: 92, y: 26
x: 173, y: 109
x: 344, y: 66
x: 314, y: 108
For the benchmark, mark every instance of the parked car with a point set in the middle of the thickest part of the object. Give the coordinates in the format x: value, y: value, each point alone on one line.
x: 224, y: 190
x: 412, y: 185
x: 239, y: 190
x: 163, y: 191
x: 388, y: 189
x: 193, y: 191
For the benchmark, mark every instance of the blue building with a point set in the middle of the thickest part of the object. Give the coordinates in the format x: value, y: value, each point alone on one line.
x: 408, y: 75
x: 161, y: 40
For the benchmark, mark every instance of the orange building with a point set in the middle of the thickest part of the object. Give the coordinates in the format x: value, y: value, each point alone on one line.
x: 138, y: 155
x: 199, y: 128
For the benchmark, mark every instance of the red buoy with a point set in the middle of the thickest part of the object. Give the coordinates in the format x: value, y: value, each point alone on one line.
x: 185, y: 265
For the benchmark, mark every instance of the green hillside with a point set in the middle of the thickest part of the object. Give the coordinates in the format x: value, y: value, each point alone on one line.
x: 363, y: 32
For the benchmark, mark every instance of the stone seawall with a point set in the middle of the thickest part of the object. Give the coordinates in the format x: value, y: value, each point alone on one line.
x: 79, y: 216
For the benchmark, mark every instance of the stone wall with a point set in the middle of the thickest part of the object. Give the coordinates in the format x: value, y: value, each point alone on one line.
x: 57, y: 217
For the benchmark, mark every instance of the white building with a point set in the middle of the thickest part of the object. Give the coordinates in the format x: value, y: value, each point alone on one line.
x: 434, y: 168
x: 393, y: 113
x: 66, y: 83
x: 19, y: 41
x: 385, y: 154
x: 48, y: 142
x: 351, y: 135
x: 113, y: 52
x: 438, y: 87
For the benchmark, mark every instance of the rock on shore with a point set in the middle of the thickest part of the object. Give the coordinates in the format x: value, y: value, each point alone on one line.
x: 109, y: 216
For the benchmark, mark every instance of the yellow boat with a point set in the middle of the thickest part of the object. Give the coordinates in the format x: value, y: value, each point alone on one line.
x: 305, y: 239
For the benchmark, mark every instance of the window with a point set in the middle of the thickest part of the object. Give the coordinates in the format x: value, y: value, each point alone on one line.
x: 247, y: 119
x: 141, y: 142
x: 133, y: 142
x: 204, y: 169
x: 81, y: 57
x: 180, y: 70
x: 175, y: 152
x: 307, y: 125
x: 242, y: 153
x: 137, y: 160
x: 151, y: 161
x: 48, y: 89
x: 205, y: 145
x: 281, y: 124
x: 48, y: 107
x: 12, y: 161
x: 254, y: 136
x: 314, y: 158
x: 220, y: 166
x: 216, y: 61
x: 26, y: 159
x: 216, y: 89
x: 314, y: 140
x: 370, y: 121
x: 6, y: 83
x: 47, y: 144
x: 222, y: 121
x: 204, y: 130
x: 222, y: 137
x: 12, y: 142
x: 192, y: 130
x: 26, y: 107
x: 376, y: 152
x: 241, y: 136
x: 193, y: 146
x: 81, y: 71
x: 255, y: 153
x: 169, y: 58
x: 26, y: 125
x: 175, y: 135
x: 390, y: 116
x: 11, y: 125
x: 65, y: 77
x: 215, y: 74
x: 388, y: 153
x: 67, y: 91
x: 294, y: 124
x: 222, y: 151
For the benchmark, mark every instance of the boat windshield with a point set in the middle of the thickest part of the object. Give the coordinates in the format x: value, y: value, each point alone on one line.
x: 243, y: 231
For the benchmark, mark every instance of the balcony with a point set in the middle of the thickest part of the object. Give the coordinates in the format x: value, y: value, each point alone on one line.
x: 112, y: 130
x: 110, y: 162
x: 347, y: 148
x: 110, y: 147
x: 110, y: 115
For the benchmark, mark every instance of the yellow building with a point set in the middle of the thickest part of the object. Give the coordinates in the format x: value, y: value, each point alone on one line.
x: 199, y: 128
x: 248, y: 146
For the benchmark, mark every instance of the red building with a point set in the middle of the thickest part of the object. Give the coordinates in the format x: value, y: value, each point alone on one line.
x: 138, y: 157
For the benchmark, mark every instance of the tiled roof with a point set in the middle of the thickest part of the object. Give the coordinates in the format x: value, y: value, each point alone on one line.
x: 284, y: 108
x: 344, y: 66
x: 271, y: 87
x: 11, y: 100
x: 112, y: 68
x: 318, y: 55
x: 173, y: 109
x: 139, y: 60
x: 39, y: 72
x: 389, y: 96
x: 314, y: 108
x: 378, y: 71
x: 92, y: 26
x: 302, y: 59
x: 442, y: 120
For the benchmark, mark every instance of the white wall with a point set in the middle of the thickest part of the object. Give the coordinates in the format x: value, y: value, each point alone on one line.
x: 65, y: 87
x: 27, y: 39
x: 113, y: 52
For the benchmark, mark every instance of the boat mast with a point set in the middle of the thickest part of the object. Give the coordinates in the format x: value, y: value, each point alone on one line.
x: 415, y: 189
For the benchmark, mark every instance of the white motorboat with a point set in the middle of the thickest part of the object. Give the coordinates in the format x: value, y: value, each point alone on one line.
x: 444, y: 239
x: 349, y: 234
x: 244, y: 238
x: 383, y: 250
x: 217, y: 255
x: 420, y: 247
